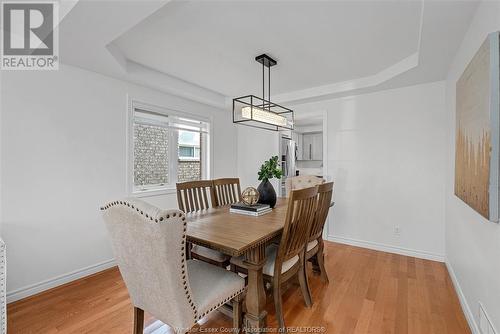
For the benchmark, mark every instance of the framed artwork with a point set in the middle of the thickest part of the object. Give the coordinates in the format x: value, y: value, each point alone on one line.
x: 477, y: 131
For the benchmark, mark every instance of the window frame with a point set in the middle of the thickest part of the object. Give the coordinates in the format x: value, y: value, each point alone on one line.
x: 205, y: 159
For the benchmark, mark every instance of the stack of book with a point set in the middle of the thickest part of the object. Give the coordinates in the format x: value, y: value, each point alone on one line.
x: 250, y: 210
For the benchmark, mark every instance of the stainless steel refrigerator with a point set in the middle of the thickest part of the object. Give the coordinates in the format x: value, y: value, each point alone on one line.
x: 288, y: 150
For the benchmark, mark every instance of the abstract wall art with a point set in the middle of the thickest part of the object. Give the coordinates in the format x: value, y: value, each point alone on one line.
x: 477, y: 131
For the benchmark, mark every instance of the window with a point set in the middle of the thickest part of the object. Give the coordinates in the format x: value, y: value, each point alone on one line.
x: 189, y: 145
x: 167, y: 148
x: 186, y: 152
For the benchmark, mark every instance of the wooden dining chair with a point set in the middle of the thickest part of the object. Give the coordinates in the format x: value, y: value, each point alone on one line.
x: 196, y: 196
x: 149, y: 246
x: 287, y: 259
x: 315, y: 245
x: 227, y: 191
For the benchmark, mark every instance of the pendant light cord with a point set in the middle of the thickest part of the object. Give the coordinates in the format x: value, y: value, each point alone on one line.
x: 263, y: 85
x: 269, y: 86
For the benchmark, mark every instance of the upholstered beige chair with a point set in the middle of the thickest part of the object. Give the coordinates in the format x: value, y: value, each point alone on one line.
x: 301, y: 182
x: 149, y: 246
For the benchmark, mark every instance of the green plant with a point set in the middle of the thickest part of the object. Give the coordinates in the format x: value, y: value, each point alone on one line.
x: 269, y: 169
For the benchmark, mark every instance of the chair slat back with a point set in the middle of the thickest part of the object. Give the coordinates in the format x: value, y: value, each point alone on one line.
x: 325, y: 192
x: 299, y: 217
x: 227, y: 191
x: 195, y: 195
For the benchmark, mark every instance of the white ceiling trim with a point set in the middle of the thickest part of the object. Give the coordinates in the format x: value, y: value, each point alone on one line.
x: 117, y: 54
x: 145, y: 76
x: 341, y: 87
x: 148, y: 77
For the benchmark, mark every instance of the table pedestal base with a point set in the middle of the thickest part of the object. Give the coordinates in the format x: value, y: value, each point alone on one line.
x: 256, y: 316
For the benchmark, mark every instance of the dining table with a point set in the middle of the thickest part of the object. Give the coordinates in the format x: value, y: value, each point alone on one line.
x: 241, y: 235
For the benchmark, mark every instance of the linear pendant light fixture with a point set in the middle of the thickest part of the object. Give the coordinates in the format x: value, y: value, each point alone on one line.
x: 258, y: 112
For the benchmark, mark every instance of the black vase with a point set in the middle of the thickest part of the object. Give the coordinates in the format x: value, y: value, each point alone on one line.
x: 267, y: 195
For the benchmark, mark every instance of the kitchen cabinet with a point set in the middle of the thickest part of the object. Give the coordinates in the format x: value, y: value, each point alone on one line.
x: 312, y: 146
x: 307, y: 141
x: 297, y: 137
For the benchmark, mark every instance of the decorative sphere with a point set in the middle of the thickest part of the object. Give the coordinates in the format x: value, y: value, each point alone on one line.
x: 250, y: 196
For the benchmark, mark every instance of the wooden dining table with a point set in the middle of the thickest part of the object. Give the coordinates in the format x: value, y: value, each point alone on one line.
x: 241, y: 235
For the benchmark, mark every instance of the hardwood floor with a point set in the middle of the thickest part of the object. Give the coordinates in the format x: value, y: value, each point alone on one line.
x: 369, y: 292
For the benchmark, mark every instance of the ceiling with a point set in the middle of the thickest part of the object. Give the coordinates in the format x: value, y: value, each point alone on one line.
x: 303, y: 119
x: 213, y: 44
x: 205, y: 50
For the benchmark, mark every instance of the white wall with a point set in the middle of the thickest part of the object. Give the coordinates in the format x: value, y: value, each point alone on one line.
x: 472, y: 243
x: 386, y: 156
x: 254, y: 147
x: 63, y: 140
x: 308, y: 128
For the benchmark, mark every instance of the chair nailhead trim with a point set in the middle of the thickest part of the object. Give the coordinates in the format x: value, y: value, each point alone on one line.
x: 213, y: 308
x: 160, y: 219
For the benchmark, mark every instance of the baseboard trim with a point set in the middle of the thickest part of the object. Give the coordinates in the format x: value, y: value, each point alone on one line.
x: 387, y: 248
x: 463, y: 301
x: 33, y: 289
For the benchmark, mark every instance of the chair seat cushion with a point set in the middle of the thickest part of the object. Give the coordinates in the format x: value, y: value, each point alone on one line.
x: 209, y: 253
x: 268, y: 269
x: 212, y: 286
x: 311, y: 245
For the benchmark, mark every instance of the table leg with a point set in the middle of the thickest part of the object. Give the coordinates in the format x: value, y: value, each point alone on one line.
x: 256, y: 315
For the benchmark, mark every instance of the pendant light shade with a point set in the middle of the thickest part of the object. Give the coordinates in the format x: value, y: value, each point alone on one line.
x: 258, y: 112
